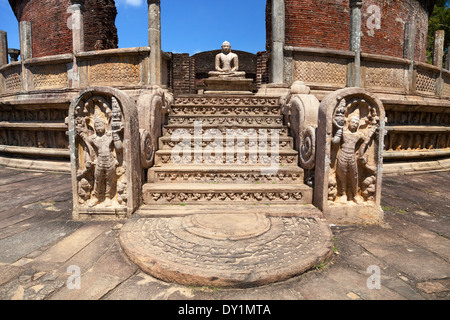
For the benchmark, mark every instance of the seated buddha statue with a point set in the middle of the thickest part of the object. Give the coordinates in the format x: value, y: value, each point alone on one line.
x: 227, y: 63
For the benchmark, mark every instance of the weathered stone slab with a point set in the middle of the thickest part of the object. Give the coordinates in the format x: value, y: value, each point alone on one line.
x: 19, y: 245
x: 69, y: 246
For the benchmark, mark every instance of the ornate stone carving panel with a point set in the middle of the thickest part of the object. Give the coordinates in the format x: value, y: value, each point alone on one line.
x: 13, y: 79
x: 426, y: 81
x: 115, y: 70
x: 349, y: 161
x: 49, y: 76
x: 382, y: 75
x: 320, y: 70
x: 104, y: 138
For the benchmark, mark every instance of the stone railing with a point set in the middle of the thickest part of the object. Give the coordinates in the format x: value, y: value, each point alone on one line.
x: 116, y: 67
x: 332, y: 69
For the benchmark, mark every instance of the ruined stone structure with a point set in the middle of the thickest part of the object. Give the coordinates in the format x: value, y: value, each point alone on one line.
x: 222, y: 184
x: 49, y: 21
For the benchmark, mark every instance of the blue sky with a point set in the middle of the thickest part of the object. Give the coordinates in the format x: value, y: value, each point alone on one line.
x: 188, y: 26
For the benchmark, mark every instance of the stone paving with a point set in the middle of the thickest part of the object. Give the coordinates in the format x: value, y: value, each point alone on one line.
x: 42, y: 250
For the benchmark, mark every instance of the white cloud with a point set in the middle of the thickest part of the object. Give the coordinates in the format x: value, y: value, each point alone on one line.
x: 134, y: 3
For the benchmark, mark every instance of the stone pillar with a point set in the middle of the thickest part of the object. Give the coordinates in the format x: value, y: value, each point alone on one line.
x: 354, y: 78
x: 77, y: 9
x: 438, y: 49
x: 154, y: 40
x: 26, y: 43
x: 410, y: 40
x: 278, y: 39
x: 3, y: 48
x: 409, y: 51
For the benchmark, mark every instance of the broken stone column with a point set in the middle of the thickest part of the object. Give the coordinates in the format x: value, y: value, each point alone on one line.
x: 154, y: 40
x: 3, y: 48
x: 348, y: 172
x: 354, y: 77
x: 26, y: 43
x: 278, y: 40
x: 105, y: 154
x: 438, y: 49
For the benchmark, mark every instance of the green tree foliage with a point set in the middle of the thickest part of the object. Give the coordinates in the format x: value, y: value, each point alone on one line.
x: 439, y: 20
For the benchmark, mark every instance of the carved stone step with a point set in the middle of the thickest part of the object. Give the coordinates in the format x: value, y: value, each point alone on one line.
x: 238, y: 130
x: 282, y: 157
x: 225, y: 120
x: 211, y: 193
x: 168, y: 143
x: 224, y: 174
x: 226, y: 100
x: 271, y: 209
x: 238, y: 110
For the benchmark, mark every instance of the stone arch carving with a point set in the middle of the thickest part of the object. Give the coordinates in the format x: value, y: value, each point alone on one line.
x: 104, y: 148
x: 349, y: 156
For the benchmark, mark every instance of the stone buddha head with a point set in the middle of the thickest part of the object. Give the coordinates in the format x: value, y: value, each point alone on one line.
x: 226, y: 47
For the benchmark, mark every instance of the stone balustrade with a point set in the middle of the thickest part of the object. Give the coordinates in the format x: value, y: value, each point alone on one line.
x: 330, y: 69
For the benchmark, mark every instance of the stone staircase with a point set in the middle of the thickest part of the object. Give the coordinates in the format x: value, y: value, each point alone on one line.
x: 226, y: 154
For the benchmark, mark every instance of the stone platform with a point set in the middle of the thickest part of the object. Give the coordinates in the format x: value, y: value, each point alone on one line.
x: 226, y: 250
x: 231, y: 85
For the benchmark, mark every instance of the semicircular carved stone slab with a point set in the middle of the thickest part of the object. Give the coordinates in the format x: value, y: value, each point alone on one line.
x: 105, y: 154
x: 348, y: 172
x: 226, y: 250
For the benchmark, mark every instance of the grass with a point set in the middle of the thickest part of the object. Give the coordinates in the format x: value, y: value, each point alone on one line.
x: 386, y: 208
x: 203, y: 288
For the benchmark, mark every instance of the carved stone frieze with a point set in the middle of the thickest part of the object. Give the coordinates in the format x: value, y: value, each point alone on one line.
x: 177, y: 197
x: 49, y: 76
x: 226, y: 177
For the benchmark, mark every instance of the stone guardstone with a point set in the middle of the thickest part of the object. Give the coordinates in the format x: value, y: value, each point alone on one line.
x: 226, y: 250
x: 349, y: 161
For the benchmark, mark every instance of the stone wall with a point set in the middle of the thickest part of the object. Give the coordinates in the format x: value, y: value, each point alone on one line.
x: 326, y: 24
x: 50, y: 34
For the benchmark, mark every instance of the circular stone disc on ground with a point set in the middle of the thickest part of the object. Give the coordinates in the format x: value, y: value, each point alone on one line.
x: 227, y: 250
